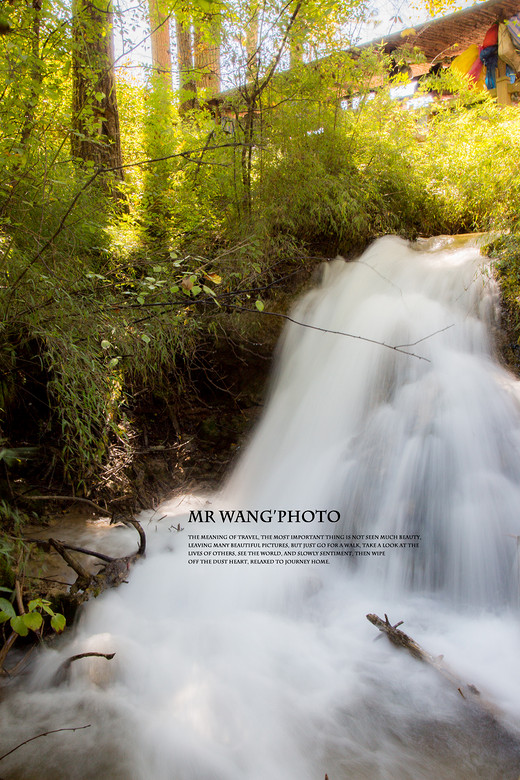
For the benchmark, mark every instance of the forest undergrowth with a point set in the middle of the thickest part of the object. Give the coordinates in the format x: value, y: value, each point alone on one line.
x: 134, y: 308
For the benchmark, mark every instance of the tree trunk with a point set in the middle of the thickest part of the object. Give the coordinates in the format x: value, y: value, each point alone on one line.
x: 187, y: 86
x: 160, y: 39
x: 95, y: 136
x: 35, y: 73
x: 252, y: 45
x: 296, y: 40
x: 207, y: 54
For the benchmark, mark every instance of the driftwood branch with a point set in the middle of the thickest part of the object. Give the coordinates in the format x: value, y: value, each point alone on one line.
x: 45, y: 734
x: 63, y: 670
x: 142, y: 536
x: 113, y: 573
x: 400, y: 639
x: 69, y: 559
x: 73, y: 548
x: 9, y: 642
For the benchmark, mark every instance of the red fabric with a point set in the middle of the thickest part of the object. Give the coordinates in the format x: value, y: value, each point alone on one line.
x: 476, y: 69
x: 491, y: 37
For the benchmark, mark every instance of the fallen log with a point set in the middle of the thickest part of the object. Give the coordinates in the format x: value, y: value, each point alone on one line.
x: 112, y: 573
x: 400, y: 639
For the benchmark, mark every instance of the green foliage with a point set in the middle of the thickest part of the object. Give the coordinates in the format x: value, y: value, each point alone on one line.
x: 32, y: 620
x: 12, y: 548
x: 101, y: 300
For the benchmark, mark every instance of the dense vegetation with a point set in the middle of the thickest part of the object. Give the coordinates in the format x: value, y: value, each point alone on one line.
x: 118, y: 277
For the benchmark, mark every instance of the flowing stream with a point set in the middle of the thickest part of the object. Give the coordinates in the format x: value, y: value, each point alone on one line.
x: 399, y: 467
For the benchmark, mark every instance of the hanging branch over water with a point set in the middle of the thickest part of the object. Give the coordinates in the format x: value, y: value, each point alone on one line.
x: 397, y: 348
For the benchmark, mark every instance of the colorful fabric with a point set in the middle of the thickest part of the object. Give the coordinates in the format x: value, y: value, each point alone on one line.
x: 466, y: 61
x: 506, y: 50
x: 513, y: 28
x: 491, y: 37
x: 489, y: 58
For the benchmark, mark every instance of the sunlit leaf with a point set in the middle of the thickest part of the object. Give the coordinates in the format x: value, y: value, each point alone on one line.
x: 18, y: 625
x: 32, y: 620
x: 58, y: 622
x: 6, y: 608
x: 36, y: 604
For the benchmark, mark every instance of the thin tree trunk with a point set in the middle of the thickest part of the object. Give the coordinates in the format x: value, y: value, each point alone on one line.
x: 187, y: 86
x: 246, y: 158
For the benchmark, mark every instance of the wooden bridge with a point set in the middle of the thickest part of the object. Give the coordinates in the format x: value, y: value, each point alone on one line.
x: 440, y: 40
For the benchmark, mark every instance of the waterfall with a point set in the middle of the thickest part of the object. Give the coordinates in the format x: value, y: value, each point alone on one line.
x: 390, y: 447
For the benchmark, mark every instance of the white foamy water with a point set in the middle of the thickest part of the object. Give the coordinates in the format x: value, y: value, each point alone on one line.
x: 270, y: 672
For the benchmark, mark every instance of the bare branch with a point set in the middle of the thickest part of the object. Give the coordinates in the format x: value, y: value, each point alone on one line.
x: 63, y: 669
x: 45, y: 734
x: 102, y: 510
x: 337, y: 332
x: 46, y: 542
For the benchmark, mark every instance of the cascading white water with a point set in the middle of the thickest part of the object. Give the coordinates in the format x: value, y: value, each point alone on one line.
x: 270, y: 672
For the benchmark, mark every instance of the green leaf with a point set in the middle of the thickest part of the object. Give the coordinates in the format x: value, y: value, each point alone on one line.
x: 32, y: 620
x: 195, y: 290
x: 7, y: 607
x: 58, y: 622
x: 145, y: 338
x: 174, y: 289
x: 105, y: 344
x: 259, y: 305
x: 208, y: 290
x: 205, y: 5
x: 113, y: 363
x: 140, y: 299
x: 19, y: 626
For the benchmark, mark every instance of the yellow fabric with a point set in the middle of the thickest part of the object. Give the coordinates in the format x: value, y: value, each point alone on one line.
x: 464, y: 62
x: 481, y: 81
